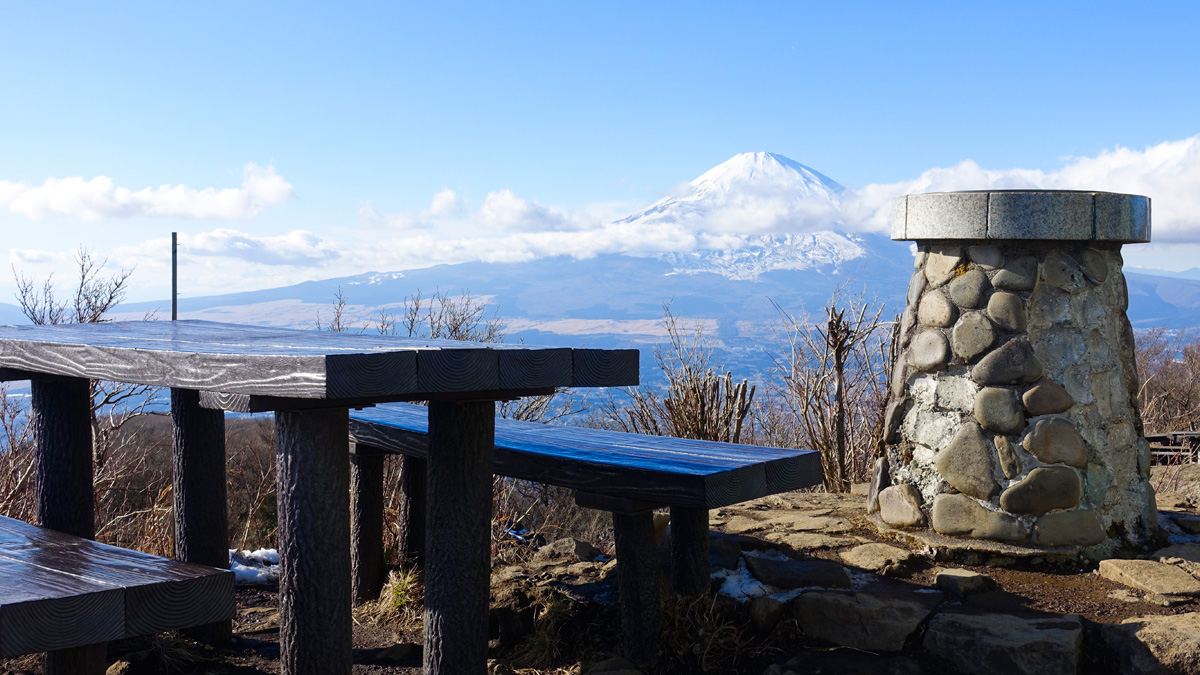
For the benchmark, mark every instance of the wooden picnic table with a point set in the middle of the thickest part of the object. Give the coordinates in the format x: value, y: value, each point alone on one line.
x: 310, y: 380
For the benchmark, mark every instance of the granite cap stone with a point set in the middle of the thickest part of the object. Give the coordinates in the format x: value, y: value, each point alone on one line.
x: 1064, y: 215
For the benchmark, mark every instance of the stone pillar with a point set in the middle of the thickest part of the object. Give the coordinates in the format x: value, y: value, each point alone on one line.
x: 1013, y: 413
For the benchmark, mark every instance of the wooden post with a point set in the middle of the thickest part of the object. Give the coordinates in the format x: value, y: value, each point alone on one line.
x: 690, y: 573
x: 413, y: 475
x: 314, y: 541
x: 62, y: 428
x: 461, y: 440
x: 637, y: 583
x: 366, y: 521
x: 198, y: 486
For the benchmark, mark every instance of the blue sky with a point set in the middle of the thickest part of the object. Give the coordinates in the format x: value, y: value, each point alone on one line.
x: 330, y: 128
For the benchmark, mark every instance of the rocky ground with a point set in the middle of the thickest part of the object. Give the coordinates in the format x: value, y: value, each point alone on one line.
x: 803, y: 583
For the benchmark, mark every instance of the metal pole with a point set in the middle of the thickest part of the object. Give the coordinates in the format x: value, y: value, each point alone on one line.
x: 174, y: 276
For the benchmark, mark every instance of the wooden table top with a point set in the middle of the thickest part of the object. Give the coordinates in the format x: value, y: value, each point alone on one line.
x: 300, y: 364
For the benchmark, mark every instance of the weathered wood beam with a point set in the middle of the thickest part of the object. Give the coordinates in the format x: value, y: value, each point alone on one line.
x: 366, y: 522
x: 637, y: 584
x: 461, y: 437
x: 690, y: 573
x: 62, y: 428
x: 199, y: 492
x: 414, y: 509
x: 314, y: 542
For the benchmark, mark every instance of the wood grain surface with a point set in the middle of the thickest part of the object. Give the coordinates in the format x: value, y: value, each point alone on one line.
x: 58, y: 591
x: 285, y: 363
x: 655, y: 469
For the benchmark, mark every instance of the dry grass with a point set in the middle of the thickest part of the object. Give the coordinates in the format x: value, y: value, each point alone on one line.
x: 400, y: 604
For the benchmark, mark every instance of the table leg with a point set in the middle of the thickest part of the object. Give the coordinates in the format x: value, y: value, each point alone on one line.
x: 690, y: 573
x: 62, y: 428
x: 198, y: 486
x: 366, y: 522
x: 314, y: 541
x: 637, y: 584
x: 414, y: 473
x: 461, y: 440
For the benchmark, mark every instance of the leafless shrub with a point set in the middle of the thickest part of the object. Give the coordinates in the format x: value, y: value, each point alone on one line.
x: 1169, y: 380
x: 832, y: 387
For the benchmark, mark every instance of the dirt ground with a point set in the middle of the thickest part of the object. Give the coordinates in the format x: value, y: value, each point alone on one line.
x: 705, y: 635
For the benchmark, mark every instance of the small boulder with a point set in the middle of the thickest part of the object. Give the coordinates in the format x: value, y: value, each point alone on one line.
x: 999, y: 410
x: 970, y: 290
x: 989, y: 643
x: 723, y: 552
x: 1154, y: 645
x: 972, y: 336
x: 1007, y: 311
x: 929, y: 351
x: 1068, y: 528
x: 958, y: 514
x: 900, y: 506
x: 915, y: 285
x: 766, y: 613
x: 877, y: 622
x: 941, y: 264
x: 1047, y: 398
x: 966, y: 463
x: 1055, y: 441
x: 1150, y: 576
x: 1006, y: 452
x: 813, y: 572
x: 568, y: 547
x: 937, y: 310
x: 878, y: 557
x: 1045, y: 489
x: 1012, y: 363
x: 963, y: 582
x: 1017, y: 275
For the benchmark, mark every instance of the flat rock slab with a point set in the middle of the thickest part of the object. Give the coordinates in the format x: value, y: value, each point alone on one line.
x: 1005, y: 644
x: 1156, y: 644
x: 963, y: 582
x: 811, y: 573
x: 1150, y: 576
x: 869, y: 621
x: 876, y: 557
x: 807, y: 541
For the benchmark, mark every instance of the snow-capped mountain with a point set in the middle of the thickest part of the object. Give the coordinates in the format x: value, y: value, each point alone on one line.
x: 755, y: 213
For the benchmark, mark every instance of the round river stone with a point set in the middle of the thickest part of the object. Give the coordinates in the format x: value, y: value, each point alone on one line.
x: 1060, y: 271
x: 961, y: 515
x: 966, y: 463
x: 1068, y: 528
x: 1010, y: 462
x: 937, y: 310
x: 929, y: 351
x: 987, y: 257
x: 999, y: 410
x: 1094, y: 265
x: 900, y: 506
x: 1047, y: 398
x: 1007, y: 310
x: 1044, y: 489
x: 970, y: 290
x: 1012, y: 363
x: 915, y: 285
x: 1055, y: 440
x: 973, y: 335
x: 1017, y: 275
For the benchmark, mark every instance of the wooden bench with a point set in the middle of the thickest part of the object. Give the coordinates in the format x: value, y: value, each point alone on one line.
x: 627, y: 474
x: 68, y: 596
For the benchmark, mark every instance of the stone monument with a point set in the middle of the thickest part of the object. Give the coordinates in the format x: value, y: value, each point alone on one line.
x: 1012, y: 415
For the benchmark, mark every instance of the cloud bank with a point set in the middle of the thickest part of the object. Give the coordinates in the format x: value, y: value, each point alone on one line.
x: 100, y: 198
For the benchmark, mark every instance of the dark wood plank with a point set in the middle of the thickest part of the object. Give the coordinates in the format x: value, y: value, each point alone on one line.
x: 637, y: 584
x: 591, y: 500
x: 198, y: 490
x: 248, y: 403
x: 414, y: 509
x: 651, y: 469
x: 460, y: 497
x: 313, y: 484
x: 62, y: 430
x: 298, y: 364
x: 43, y: 610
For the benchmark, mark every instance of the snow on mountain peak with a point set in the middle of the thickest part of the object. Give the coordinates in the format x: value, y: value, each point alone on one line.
x: 761, y: 211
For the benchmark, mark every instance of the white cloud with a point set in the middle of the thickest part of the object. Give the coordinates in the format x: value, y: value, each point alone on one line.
x: 1168, y: 173
x: 100, y: 198
x: 446, y: 203
x: 297, y: 248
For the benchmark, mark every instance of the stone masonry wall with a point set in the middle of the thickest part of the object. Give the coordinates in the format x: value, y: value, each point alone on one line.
x: 1013, y: 411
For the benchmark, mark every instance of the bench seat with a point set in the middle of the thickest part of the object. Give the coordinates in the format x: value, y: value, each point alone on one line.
x: 655, y: 470
x: 59, y: 592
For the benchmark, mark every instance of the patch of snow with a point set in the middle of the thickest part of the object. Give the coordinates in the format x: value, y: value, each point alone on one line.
x: 254, y: 567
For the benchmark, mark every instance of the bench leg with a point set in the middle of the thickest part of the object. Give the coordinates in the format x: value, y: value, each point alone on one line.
x: 366, y: 522
x: 314, y: 541
x: 413, y: 475
x: 198, y: 486
x: 461, y: 440
x: 62, y: 428
x: 637, y: 582
x: 690, y: 573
